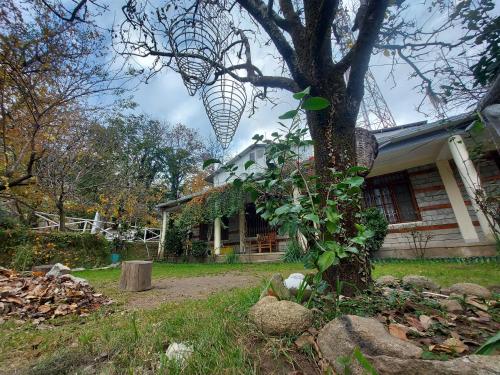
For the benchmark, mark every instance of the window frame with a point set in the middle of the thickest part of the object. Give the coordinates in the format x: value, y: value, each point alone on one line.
x: 390, y: 181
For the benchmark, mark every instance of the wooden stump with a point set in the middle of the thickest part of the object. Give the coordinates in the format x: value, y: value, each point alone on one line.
x: 136, y: 275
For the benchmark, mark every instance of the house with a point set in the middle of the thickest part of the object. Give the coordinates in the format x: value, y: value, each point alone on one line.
x: 423, y: 181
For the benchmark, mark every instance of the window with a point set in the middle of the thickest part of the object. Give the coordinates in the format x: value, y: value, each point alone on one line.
x: 252, y: 156
x: 260, y: 153
x: 393, y: 195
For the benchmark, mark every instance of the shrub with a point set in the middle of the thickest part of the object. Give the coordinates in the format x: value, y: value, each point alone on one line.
x: 23, y: 248
x: 174, y: 241
x: 293, y: 252
x: 375, y: 220
x: 199, y: 248
x: 232, y: 258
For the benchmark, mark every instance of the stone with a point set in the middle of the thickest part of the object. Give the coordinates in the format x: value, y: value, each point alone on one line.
x: 76, y: 280
x: 294, y: 282
x: 387, y: 280
x: 451, y: 305
x: 473, y: 364
x: 341, y: 336
x: 468, y: 289
x: 58, y: 269
x: 179, y: 352
x: 278, y: 288
x: 275, y: 317
x: 420, y: 282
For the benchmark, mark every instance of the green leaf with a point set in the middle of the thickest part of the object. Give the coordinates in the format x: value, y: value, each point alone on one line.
x: 490, y: 345
x: 326, y: 260
x: 355, y: 181
x: 364, y: 362
x: 248, y: 164
x: 315, y: 103
x: 282, y: 210
x: 209, y: 162
x: 289, y: 114
x: 312, y: 217
x: 300, y: 95
x: 356, y: 169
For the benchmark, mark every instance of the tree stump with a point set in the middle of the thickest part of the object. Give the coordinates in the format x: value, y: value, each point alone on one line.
x: 136, y: 275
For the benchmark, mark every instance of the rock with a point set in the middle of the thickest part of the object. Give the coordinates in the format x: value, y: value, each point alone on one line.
x: 76, y: 280
x: 42, y: 269
x: 58, y: 270
x: 473, y: 364
x: 179, y: 352
x: 294, y: 282
x: 278, y: 288
x: 420, y: 282
x: 280, y: 317
x: 451, y: 305
x: 339, y: 338
x: 387, y: 280
x: 468, y: 289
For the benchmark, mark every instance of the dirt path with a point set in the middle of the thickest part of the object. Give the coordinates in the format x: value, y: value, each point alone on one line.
x: 175, y: 289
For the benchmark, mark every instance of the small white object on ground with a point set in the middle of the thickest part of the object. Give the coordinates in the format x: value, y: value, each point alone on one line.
x: 179, y: 352
x: 76, y: 280
x: 294, y: 281
x: 57, y: 270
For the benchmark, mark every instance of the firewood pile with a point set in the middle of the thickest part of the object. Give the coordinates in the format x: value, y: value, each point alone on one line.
x: 38, y: 298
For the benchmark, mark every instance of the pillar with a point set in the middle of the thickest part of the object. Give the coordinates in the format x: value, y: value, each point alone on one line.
x: 458, y: 206
x: 217, y: 235
x: 242, y: 227
x: 163, y: 234
x: 470, y: 178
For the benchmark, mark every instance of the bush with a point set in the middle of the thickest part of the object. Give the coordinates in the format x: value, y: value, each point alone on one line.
x: 232, y: 258
x: 199, y: 248
x: 293, y: 252
x: 174, y: 241
x: 23, y: 249
x: 375, y: 220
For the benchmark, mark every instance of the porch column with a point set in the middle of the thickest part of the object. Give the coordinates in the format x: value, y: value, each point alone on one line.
x: 163, y: 233
x: 470, y: 179
x: 464, y: 220
x: 242, y: 227
x: 217, y: 235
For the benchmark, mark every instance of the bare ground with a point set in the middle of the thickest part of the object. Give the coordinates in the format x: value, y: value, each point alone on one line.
x: 176, y: 289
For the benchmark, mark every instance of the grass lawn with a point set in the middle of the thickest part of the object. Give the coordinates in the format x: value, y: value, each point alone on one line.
x: 116, y: 340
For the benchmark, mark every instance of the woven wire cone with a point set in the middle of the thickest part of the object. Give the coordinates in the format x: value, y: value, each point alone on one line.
x: 224, y: 103
x: 194, y: 34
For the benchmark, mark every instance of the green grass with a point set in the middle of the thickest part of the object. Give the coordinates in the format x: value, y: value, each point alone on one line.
x: 118, y: 341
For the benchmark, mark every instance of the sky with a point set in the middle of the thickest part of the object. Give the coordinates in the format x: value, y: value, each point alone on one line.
x: 164, y: 97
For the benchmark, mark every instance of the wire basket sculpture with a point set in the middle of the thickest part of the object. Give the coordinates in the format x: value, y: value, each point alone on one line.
x: 224, y: 103
x: 195, y: 41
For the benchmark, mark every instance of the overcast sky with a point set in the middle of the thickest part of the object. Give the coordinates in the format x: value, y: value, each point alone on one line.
x: 166, y: 98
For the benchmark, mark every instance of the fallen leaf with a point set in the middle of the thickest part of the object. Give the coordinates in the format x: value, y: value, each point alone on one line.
x: 398, y: 330
x: 44, y: 309
x: 426, y: 321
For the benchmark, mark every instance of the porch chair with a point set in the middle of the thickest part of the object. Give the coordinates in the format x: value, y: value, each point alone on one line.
x: 266, y: 241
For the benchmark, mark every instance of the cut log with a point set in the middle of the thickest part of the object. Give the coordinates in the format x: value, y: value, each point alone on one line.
x: 136, y: 275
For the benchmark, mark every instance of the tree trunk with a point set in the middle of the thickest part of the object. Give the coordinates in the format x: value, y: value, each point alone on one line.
x: 332, y: 131
x: 62, y: 215
x: 136, y: 275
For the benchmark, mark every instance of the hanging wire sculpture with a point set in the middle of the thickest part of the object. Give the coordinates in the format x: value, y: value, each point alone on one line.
x: 224, y: 103
x: 195, y: 41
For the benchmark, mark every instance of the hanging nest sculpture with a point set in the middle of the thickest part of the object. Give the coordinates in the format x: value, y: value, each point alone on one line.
x: 195, y: 41
x: 224, y: 103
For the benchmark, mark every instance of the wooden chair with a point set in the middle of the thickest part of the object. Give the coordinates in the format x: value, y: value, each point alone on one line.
x: 266, y: 241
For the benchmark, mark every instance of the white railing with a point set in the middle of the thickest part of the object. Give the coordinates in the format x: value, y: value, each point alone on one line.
x: 108, y: 229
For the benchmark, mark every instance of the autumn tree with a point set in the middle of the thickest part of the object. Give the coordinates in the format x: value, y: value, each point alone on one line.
x: 305, y: 37
x: 47, y: 66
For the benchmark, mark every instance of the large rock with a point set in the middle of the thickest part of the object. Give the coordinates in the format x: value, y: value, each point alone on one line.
x: 280, y: 317
x: 387, y: 280
x: 278, y: 288
x: 469, y: 365
x: 338, y: 339
x: 420, y: 282
x: 469, y: 289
